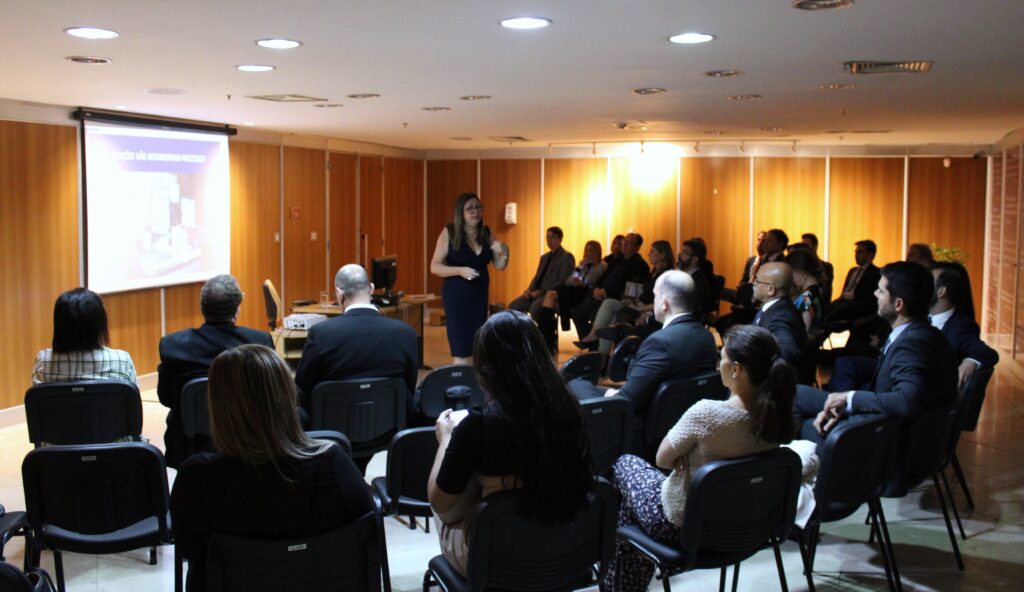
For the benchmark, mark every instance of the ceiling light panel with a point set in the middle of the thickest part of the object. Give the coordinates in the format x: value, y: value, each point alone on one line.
x: 821, y: 4
x: 437, y: 108
x: 526, y: 22
x: 88, y: 60
x: 363, y: 96
x: 278, y: 43
x: 691, y: 38
x: 648, y: 91
x: 723, y: 73
x: 254, y: 68
x: 475, y: 97
x: 91, y: 33
x: 745, y: 97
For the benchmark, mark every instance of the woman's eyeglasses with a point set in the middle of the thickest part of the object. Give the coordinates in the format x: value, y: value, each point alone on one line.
x: 478, y: 208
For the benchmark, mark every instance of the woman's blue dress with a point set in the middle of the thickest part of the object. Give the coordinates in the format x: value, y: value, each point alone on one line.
x: 465, y: 301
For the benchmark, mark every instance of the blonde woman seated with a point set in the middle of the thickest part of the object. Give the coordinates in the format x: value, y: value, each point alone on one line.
x: 566, y: 297
x: 529, y: 436
x: 269, y: 479
x: 79, y: 349
x: 757, y: 417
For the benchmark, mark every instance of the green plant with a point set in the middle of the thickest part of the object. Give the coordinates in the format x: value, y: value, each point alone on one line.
x: 950, y: 254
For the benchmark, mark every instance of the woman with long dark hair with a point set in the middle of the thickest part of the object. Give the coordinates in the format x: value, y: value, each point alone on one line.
x: 757, y: 417
x: 461, y: 254
x: 269, y: 479
x: 529, y: 436
x: 79, y: 348
x: 808, y: 281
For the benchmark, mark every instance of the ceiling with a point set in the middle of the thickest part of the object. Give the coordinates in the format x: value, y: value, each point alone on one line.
x: 571, y: 82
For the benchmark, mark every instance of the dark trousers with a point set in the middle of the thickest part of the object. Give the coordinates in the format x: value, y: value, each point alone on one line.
x: 583, y: 315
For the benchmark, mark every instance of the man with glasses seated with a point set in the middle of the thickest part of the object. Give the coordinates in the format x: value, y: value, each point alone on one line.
x: 772, y: 286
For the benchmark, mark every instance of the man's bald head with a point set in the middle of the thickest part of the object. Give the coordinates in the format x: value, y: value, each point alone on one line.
x: 352, y: 283
x: 673, y: 294
x: 774, y: 280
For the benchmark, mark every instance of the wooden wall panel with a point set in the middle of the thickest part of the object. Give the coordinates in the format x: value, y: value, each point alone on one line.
x: 343, y: 219
x: 577, y: 198
x: 995, y: 245
x: 946, y: 206
x: 1009, y: 250
x: 134, y: 319
x: 305, y: 232
x: 403, y: 217
x: 865, y: 202
x: 255, y: 226
x: 503, y: 181
x: 182, y: 310
x: 644, y: 198
x: 39, y: 242
x: 789, y: 193
x: 715, y: 205
x: 371, y: 209
x: 446, y: 179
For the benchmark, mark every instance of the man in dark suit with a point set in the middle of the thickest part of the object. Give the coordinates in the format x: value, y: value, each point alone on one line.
x: 682, y: 348
x: 857, y: 299
x: 915, y: 372
x: 952, y: 313
x: 187, y: 354
x: 612, y: 283
x: 811, y: 240
x: 554, y: 268
x: 770, y: 247
x: 691, y: 259
x: 772, y: 285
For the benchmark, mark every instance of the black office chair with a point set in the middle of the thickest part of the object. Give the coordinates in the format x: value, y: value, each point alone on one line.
x: 195, y: 417
x: 346, y: 558
x: 622, y: 357
x: 853, y: 465
x: 734, y: 508
x: 404, y: 490
x: 272, y: 303
x: 432, y: 395
x: 369, y: 411
x: 83, y: 412
x: 13, y: 579
x: 506, y: 552
x: 14, y: 524
x: 334, y: 436
x: 586, y: 366
x: 609, y: 423
x: 669, y: 403
x: 973, y: 393
x: 96, y: 499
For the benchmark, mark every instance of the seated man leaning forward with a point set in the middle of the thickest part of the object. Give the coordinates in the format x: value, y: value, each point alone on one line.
x: 187, y: 354
x: 915, y: 372
x: 682, y: 348
x: 362, y: 343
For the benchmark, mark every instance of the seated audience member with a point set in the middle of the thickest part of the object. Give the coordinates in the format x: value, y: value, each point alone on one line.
x: 187, y: 354
x: 568, y: 296
x: 772, y: 287
x: 529, y: 436
x: 612, y: 284
x: 857, y: 299
x: 756, y: 418
x: 771, y: 246
x: 811, y: 240
x: 553, y: 270
x: 79, y: 348
x: 915, y: 372
x: 362, y: 343
x: 269, y: 479
x: 615, y: 251
x: 691, y: 259
x: 682, y: 348
x: 808, y: 276
x: 705, y: 264
x: 921, y: 254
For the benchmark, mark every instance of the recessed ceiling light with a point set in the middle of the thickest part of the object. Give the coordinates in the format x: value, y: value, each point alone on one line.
x: 713, y: 132
x: 254, y: 68
x: 475, y: 97
x: 837, y: 86
x: 278, y: 43
x: 121, y: 107
x: 249, y: 123
x: 691, y: 38
x: 526, y: 22
x: 437, y: 108
x: 771, y: 129
x: 91, y: 60
x: 461, y: 138
x: 722, y: 73
x: 648, y: 91
x: 745, y: 97
x: 821, y: 4
x: 164, y: 91
x: 91, y: 33
x: 328, y: 105
x: 363, y: 96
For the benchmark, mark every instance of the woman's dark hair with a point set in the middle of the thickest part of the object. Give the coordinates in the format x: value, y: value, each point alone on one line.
x: 457, y: 229
x: 805, y: 260
x: 668, y: 257
x: 532, y: 411
x: 596, y: 245
x: 79, y: 322
x: 773, y: 378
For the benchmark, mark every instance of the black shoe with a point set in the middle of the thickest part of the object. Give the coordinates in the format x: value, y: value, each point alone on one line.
x: 586, y: 345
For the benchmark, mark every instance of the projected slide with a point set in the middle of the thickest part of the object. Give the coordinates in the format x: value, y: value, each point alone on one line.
x: 157, y: 207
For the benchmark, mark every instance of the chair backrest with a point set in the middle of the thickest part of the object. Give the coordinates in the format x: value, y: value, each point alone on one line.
x: 83, y: 412
x: 609, y: 423
x: 586, y: 366
x: 974, y: 396
x: 195, y: 414
x: 735, y: 507
x: 334, y: 436
x: 717, y: 283
x: 671, y: 401
x: 272, y: 302
x: 854, y: 461
x: 622, y: 357
x: 431, y: 393
x: 507, y: 552
x: 410, y: 457
x: 13, y: 579
x: 95, y: 489
x: 346, y: 558
x: 924, y: 449
x: 368, y: 410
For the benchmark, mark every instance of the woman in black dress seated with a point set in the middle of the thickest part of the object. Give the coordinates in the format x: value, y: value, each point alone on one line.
x: 529, y: 435
x: 269, y: 479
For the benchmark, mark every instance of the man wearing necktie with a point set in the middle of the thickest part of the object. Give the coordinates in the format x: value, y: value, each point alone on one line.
x: 857, y: 298
x: 916, y: 370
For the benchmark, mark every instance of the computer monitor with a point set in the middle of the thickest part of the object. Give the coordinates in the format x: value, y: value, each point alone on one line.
x: 383, y: 272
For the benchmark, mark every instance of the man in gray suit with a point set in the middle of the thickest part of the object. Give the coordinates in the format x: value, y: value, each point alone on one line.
x: 554, y: 268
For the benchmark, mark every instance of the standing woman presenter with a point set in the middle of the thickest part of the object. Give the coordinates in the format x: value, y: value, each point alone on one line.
x: 463, y: 250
